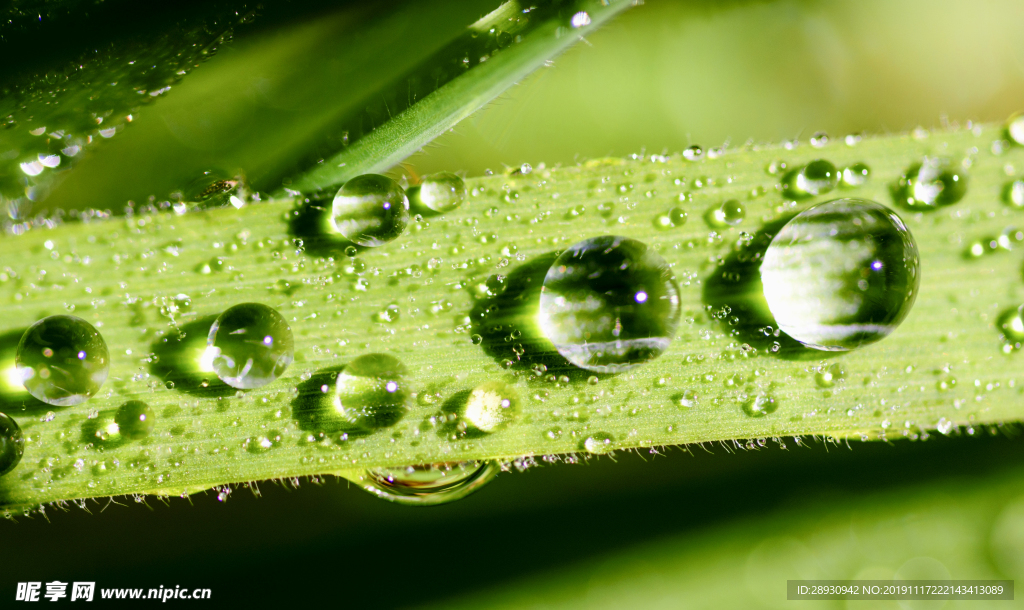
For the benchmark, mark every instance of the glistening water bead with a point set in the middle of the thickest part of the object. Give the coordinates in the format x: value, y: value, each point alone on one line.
x: 62, y: 360
x: 370, y: 210
x: 609, y: 304
x: 426, y: 485
x: 491, y: 406
x: 441, y: 192
x: 249, y: 346
x: 841, y: 274
x: 932, y: 183
x: 371, y: 391
x: 816, y: 178
x: 12, y: 444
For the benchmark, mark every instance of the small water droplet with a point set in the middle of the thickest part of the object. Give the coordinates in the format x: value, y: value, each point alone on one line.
x: 476, y: 339
x: 370, y: 210
x: 12, y: 444
x: 729, y: 214
x: 932, y: 183
x: 1015, y: 128
x: 609, y: 304
x: 214, y: 189
x: 388, y: 315
x: 441, y: 192
x: 816, y: 178
x: 249, y: 346
x: 693, y: 153
x: 491, y: 406
x: 135, y: 419
x: 1014, y: 193
x: 371, y: 391
x: 426, y: 485
x: 599, y: 443
x: 62, y: 360
x: 841, y: 274
x: 829, y: 376
x: 760, y: 405
x: 686, y: 399
x: 855, y: 175
x: 1011, y: 323
x: 579, y: 20
x: 819, y: 139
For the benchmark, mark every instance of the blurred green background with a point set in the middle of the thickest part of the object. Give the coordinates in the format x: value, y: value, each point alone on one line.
x: 720, y: 529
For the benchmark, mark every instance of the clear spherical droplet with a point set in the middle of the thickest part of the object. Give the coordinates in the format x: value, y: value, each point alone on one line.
x: 12, y: 444
x: 855, y: 175
x: 729, y: 214
x: 442, y: 192
x: 599, y: 443
x: 249, y: 346
x: 491, y: 406
x: 841, y: 274
x: 135, y: 419
x: 1015, y: 128
x: 426, y: 485
x: 371, y: 391
x: 609, y: 304
x: 370, y: 210
x: 62, y: 360
x: 932, y: 183
x: 816, y: 178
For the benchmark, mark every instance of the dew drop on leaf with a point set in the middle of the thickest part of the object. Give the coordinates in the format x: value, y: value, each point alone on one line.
x: 249, y: 346
x: 932, y: 183
x: 370, y: 210
x: 62, y: 360
x: 12, y: 444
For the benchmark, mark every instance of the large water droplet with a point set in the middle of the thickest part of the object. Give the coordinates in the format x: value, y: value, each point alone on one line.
x: 12, y: 444
x: 841, y: 274
x: 932, y: 183
x: 491, y: 406
x: 135, y: 420
x: 441, y: 192
x: 426, y: 485
x: 370, y: 210
x: 249, y: 346
x: 371, y: 391
x: 609, y: 304
x: 816, y: 178
x: 62, y: 360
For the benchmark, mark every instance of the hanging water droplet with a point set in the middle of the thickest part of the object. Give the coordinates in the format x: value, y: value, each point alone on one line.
x: 693, y: 153
x: 371, y: 391
x: 580, y: 19
x: 491, y: 406
x: 62, y: 360
x: 249, y: 346
x: 816, y: 178
x: 135, y: 420
x: 599, y: 443
x: 932, y: 183
x: 1015, y: 128
x: 841, y: 274
x: 426, y: 485
x: 12, y: 444
x: 370, y: 210
x: 441, y: 192
x: 729, y: 214
x: 609, y: 304
x: 855, y: 175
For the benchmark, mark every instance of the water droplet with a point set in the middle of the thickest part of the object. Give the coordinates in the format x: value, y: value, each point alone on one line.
x: 12, y: 444
x: 729, y: 214
x: 1014, y: 194
x: 388, y: 315
x: 676, y: 217
x: 476, y: 339
x: 1015, y: 128
x: 841, y: 274
x: 693, y: 153
x: 932, y: 183
x: 609, y: 304
x: 599, y: 443
x: 760, y: 405
x: 371, y: 391
x: 1011, y: 323
x: 579, y: 20
x: 816, y: 178
x: 819, y: 139
x: 426, y: 485
x: 249, y: 346
x: 686, y: 399
x: 370, y: 210
x: 491, y: 406
x: 135, y: 419
x: 830, y: 376
x: 62, y: 360
x: 215, y: 189
x: 855, y: 175
x: 441, y: 192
